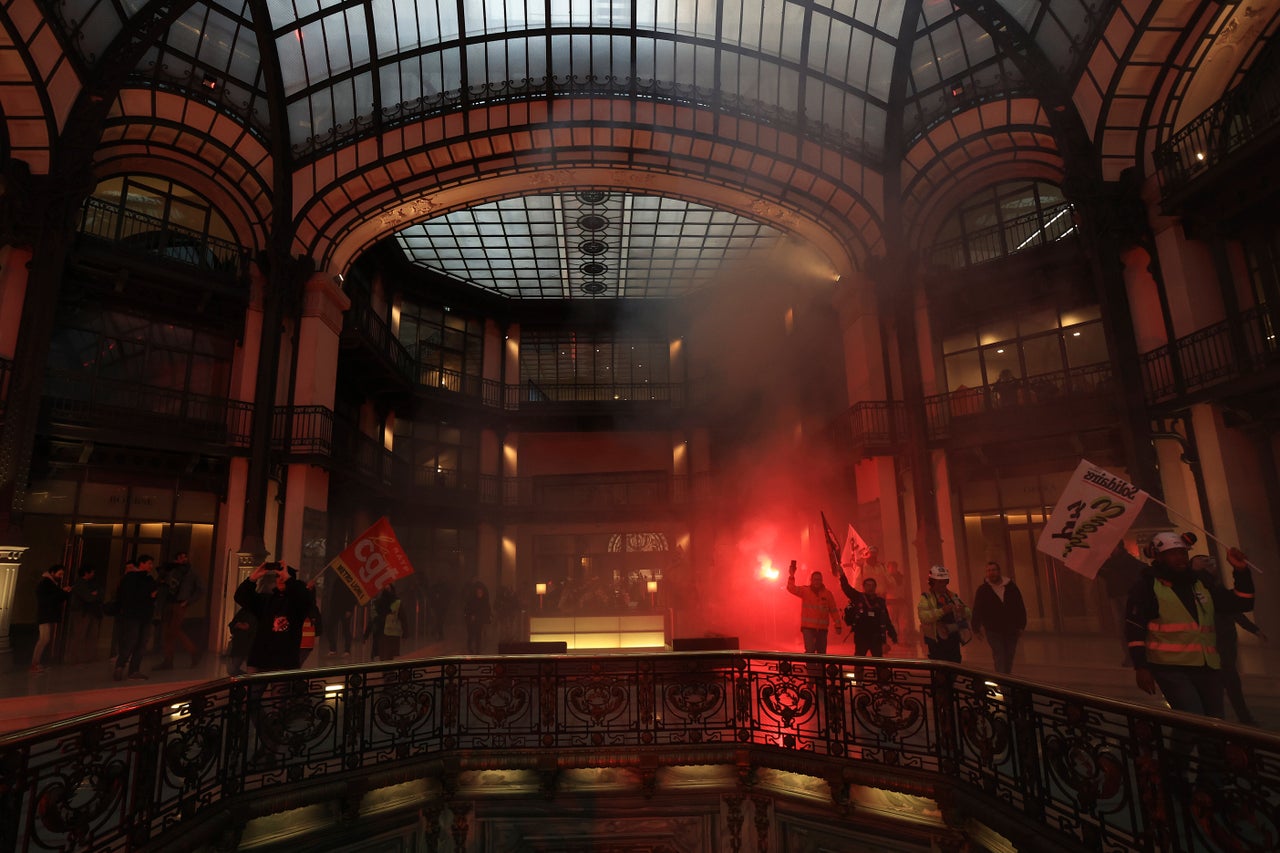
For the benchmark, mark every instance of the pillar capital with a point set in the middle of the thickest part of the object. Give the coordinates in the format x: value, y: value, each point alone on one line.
x: 323, y: 299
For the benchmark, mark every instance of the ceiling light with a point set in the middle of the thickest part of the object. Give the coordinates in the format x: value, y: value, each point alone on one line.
x: 999, y: 351
x: 1200, y: 156
x: 1075, y: 334
x: 210, y: 82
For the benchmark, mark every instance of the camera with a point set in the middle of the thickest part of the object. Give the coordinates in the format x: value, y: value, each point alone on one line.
x: 273, y: 566
x: 792, y: 567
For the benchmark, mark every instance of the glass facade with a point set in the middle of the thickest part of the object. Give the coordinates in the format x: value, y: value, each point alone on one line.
x: 1036, y: 347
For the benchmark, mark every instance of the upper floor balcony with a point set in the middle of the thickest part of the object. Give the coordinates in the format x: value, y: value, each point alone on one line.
x: 383, y: 364
x: 108, y: 223
x: 1008, y: 238
x: 751, y: 747
x: 1226, y: 354
x: 1233, y: 135
x: 117, y: 411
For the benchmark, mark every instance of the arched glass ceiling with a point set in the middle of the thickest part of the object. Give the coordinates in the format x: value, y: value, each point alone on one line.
x: 587, y: 244
x: 350, y: 67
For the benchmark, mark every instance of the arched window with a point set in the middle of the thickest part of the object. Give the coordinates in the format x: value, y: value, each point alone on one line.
x: 1001, y: 220
x: 159, y: 217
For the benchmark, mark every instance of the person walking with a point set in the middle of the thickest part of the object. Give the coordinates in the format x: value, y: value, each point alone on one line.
x: 944, y: 618
x: 51, y: 596
x: 1171, y: 626
x: 389, y: 630
x: 817, y: 610
x: 340, y: 610
x: 477, y: 613
x: 135, y: 606
x: 280, y: 612
x: 87, y: 608
x: 1000, y: 613
x: 182, y: 588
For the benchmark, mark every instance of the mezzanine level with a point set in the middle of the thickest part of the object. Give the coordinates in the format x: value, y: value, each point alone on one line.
x: 496, y: 753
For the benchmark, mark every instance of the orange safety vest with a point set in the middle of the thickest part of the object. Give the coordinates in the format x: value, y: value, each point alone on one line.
x: 1174, y: 638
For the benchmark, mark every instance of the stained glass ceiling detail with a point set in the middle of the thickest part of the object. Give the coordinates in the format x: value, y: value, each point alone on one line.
x: 587, y: 244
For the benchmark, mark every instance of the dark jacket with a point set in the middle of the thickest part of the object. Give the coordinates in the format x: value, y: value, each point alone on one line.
x: 868, y: 617
x: 280, y: 617
x: 49, y: 600
x: 996, y: 616
x: 134, y: 599
x: 1143, y: 608
x: 86, y: 596
x: 1120, y: 572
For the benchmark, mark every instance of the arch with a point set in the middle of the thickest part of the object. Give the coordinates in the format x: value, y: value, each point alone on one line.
x: 38, y: 89
x: 762, y: 172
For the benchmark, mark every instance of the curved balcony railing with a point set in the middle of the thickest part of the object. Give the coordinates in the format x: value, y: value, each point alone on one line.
x: 362, y: 322
x: 1007, y: 238
x: 156, y: 237
x: 1218, y: 353
x: 1088, y: 773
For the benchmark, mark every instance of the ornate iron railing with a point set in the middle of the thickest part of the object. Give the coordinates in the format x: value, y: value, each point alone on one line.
x: 374, y: 332
x: 1007, y: 238
x: 304, y: 430
x: 1090, y: 773
x: 94, y: 401
x: 487, y: 391
x: 1218, y: 353
x: 1092, y: 380
x: 531, y: 395
x: 151, y: 235
x: 1242, y: 116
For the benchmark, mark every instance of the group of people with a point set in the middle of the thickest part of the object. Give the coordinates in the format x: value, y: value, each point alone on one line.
x: 1179, y: 620
x: 146, y: 596
x: 946, y: 622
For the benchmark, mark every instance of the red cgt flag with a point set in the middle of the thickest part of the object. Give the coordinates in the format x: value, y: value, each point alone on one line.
x: 371, y: 562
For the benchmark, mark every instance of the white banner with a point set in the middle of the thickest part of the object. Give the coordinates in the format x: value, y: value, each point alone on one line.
x: 1095, y: 511
x: 854, y: 552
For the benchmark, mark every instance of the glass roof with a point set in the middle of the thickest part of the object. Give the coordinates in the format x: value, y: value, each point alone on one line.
x: 585, y: 244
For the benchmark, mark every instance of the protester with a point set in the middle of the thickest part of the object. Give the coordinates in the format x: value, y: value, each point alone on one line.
x: 999, y: 612
x: 477, y: 613
x: 944, y: 618
x: 135, y: 606
x: 280, y: 612
x: 51, y: 596
x: 868, y: 618
x: 181, y: 589
x: 388, y: 629
x: 817, y: 610
x: 1171, y: 625
x: 340, y: 610
x: 87, y: 607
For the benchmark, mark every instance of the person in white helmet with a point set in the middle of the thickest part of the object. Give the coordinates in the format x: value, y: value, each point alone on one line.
x: 944, y: 618
x: 1170, y: 625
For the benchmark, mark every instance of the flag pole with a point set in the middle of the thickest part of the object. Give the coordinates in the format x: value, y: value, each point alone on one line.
x: 1191, y: 523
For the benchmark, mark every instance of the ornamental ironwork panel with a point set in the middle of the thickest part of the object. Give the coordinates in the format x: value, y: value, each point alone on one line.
x: 1094, y: 773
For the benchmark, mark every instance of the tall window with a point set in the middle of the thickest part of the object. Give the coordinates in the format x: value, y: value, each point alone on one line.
x: 161, y: 217
x: 1002, y: 220
x: 114, y: 346
x: 438, y: 454
x: 1033, y: 345
x: 445, y: 343
x: 549, y: 359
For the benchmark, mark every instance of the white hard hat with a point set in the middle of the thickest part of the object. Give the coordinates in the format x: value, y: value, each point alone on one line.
x: 939, y: 573
x: 1167, y: 541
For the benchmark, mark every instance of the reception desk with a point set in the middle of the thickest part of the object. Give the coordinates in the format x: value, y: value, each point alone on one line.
x: 613, y: 631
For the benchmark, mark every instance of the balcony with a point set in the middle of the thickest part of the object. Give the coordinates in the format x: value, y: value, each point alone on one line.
x: 1232, y: 135
x: 121, y: 411
x: 157, y: 238
x: 595, y: 492
x: 384, y: 364
x: 926, y: 754
x: 365, y: 459
x: 542, y: 397
x: 1226, y: 352
x: 1008, y: 238
x: 303, y: 431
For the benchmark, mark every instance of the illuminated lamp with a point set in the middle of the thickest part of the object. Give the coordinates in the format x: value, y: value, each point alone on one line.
x: 653, y: 593
x: 541, y: 590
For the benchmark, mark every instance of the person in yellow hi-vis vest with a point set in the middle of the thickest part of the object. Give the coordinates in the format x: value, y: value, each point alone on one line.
x: 1170, y: 625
